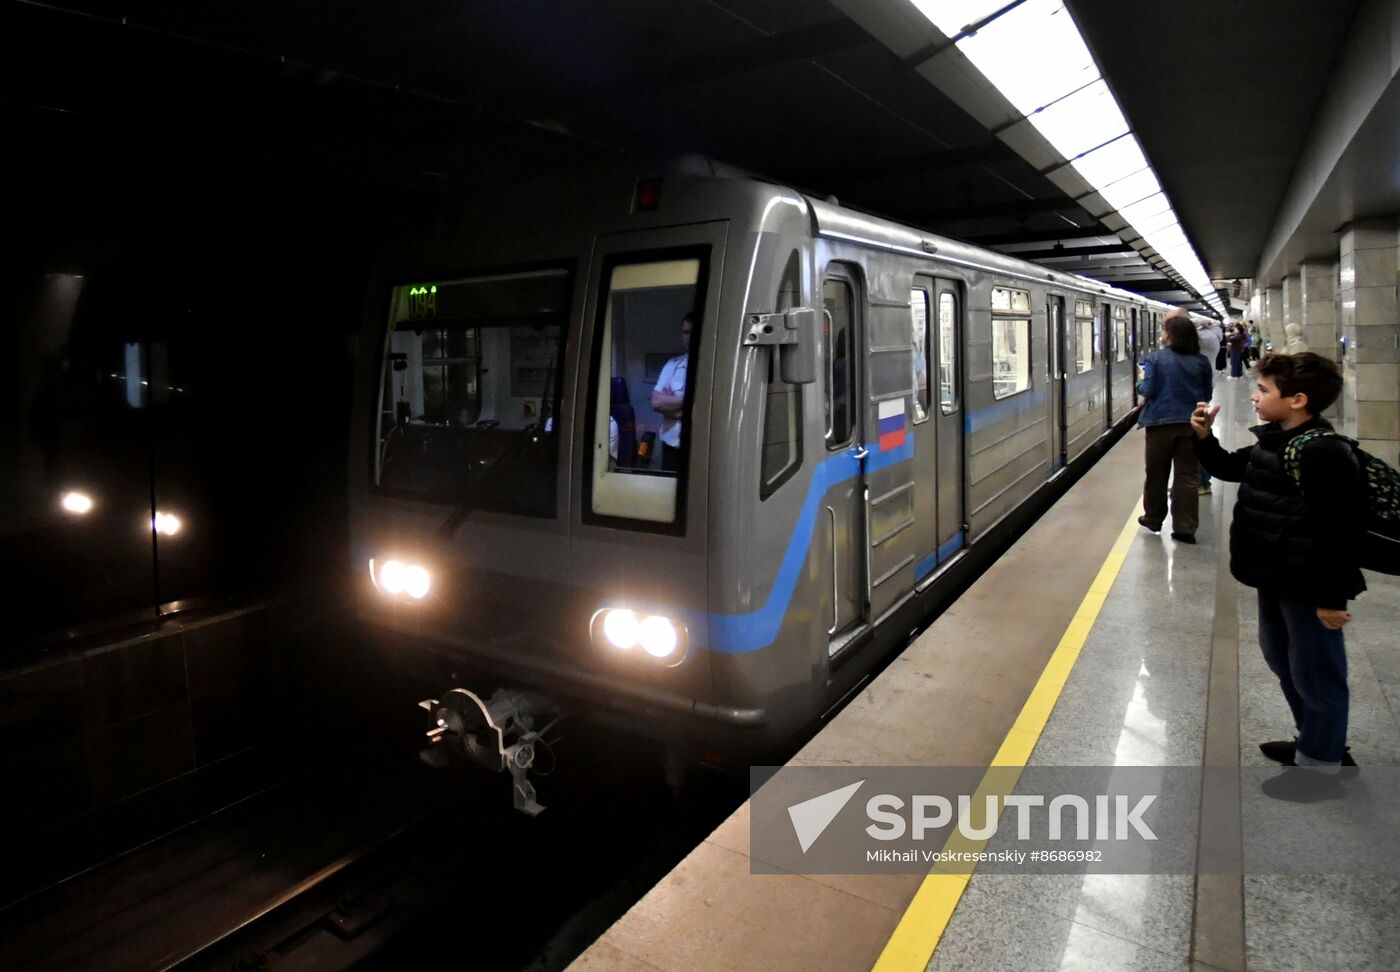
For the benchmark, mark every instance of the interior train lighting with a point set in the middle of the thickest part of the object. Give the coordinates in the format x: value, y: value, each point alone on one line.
x: 1066, y: 99
x: 394, y: 577
x: 659, y: 637
x: 75, y: 502
x: 166, y: 524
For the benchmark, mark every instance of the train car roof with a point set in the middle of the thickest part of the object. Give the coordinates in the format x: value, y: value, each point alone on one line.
x: 837, y: 222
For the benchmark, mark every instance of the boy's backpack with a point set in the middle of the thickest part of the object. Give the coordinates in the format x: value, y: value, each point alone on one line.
x: 1380, y: 541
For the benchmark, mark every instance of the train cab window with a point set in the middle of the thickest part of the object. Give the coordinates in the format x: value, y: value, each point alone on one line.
x: 948, y: 352
x: 1084, y: 336
x: 470, y: 380
x: 838, y: 349
x: 918, y: 337
x: 1120, y: 334
x: 782, y: 401
x: 1011, y: 341
x: 644, y: 387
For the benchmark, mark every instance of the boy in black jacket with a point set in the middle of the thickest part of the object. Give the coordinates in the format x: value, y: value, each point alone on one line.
x: 1293, y: 540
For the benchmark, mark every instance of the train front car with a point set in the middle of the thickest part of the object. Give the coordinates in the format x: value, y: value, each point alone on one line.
x: 535, y: 457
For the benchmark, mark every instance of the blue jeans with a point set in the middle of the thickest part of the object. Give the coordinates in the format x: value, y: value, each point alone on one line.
x: 1311, y: 664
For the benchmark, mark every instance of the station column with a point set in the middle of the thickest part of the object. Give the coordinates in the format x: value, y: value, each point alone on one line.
x: 1292, y: 306
x: 1370, y: 323
x: 1272, y: 324
x: 1319, y: 307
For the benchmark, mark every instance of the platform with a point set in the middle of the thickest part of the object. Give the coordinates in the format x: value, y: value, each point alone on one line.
x: 1090, y: 643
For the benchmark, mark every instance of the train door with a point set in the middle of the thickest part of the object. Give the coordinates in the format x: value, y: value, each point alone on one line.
x: 1133, y: 350
x: 845, y: 502
x: 1106, y: 343
x: 1055, y: 318
x: 936, y: 304
x: 952, y: 534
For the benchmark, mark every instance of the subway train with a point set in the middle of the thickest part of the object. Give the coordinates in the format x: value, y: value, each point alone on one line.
x: 691, y: 453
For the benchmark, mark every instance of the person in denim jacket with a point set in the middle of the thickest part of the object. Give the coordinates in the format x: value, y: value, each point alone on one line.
x: 1173, y: 380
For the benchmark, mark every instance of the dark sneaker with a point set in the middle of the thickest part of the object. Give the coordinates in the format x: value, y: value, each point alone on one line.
x: 1304, y: 785
x: 1148, y: 523
x: 1184, y: 537
x: 1284, y: 751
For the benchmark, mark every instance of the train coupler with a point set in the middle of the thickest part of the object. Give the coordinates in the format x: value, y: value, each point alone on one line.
x: 497, y: 733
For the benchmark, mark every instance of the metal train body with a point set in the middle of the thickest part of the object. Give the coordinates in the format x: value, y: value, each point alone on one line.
x: 812, y: 525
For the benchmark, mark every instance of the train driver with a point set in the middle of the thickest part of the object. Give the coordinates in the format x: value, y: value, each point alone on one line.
x: 668, y: 398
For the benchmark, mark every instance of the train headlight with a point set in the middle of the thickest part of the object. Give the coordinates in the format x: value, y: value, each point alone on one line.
x: 77, y: 503
x: 621, y: 628
x: 166, y: 524
x: 394, y: 577
x: 659, y: 637
x: 416, y: 582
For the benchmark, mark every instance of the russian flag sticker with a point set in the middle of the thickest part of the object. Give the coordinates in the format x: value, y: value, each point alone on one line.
x: 891, y: 424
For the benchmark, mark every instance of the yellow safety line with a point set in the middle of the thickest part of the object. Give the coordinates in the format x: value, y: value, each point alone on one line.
x: 920, y: 929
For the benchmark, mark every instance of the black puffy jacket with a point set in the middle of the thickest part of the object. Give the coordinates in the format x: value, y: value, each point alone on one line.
x: 1299, y: 544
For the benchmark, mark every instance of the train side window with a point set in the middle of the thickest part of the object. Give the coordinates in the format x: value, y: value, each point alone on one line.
x: 1120, y: 334
x: 644, y: 371
x: 782, y: 403
x: 948, y: 352
x: 1011, y: 342
x: 838, y: 349
x: 918, y: 337
x: 1083, y: 336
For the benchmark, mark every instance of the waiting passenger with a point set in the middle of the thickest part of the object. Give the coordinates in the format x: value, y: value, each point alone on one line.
x: 1173, y: 380
x: 1208, y: 333
x: 668, y: 398
x: 1293, y: 538
x: 1238, y: 342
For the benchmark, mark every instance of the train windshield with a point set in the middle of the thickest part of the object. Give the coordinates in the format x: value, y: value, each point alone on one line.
x: 470, y: 390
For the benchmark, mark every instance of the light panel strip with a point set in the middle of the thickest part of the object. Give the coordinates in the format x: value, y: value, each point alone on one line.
x: 1066, y: 100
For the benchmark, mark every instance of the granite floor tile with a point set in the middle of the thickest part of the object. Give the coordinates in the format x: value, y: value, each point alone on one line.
x: 1037, y: 941
x: 1335, y: 922
x: 1089, y: 732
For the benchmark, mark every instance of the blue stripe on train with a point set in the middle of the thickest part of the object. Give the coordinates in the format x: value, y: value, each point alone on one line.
x: 951, y: 546
x: 742, y: 633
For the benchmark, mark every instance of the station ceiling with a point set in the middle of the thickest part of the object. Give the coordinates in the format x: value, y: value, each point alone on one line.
x: 458, y: 97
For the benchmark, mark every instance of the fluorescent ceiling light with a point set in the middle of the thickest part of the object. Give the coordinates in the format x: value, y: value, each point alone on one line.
x: 1012, y: 51
x: 1086, y: 119
x: 1109, y: 163
x: 1066, y: 100
x: 1144, y: 209
x: 1161, y: 223
x: 951, y: 16
x: 1131, y: 189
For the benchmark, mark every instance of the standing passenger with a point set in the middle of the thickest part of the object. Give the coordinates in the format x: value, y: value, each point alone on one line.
x: 1208, y: 333
x: 1174, y: 379
x: 668, y: 398
x: 1236, y: 341
x: 1294, y: 537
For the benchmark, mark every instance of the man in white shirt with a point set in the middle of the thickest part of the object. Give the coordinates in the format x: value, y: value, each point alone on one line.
x: 668, y: 398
